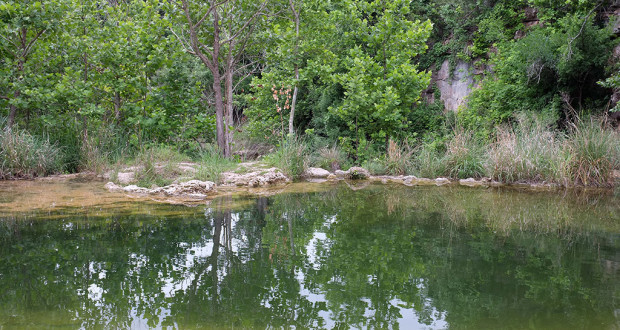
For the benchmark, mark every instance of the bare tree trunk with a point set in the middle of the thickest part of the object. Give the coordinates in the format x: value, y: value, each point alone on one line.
x: 229, y: 98
x: 291, y: 128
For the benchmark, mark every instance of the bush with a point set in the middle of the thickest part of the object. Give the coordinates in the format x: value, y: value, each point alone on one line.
x: 26, y: 156
x: 291, y: 157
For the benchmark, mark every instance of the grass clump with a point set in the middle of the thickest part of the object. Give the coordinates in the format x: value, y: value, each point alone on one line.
x: 291, y: 157
x: 398, y: 159
x: 23, y: 155
x: 158, y: 165
x: 528, y: 153
x: 594, y: 154
x: 330, y: 158
x: 464, y: 157
x: 212, y: 165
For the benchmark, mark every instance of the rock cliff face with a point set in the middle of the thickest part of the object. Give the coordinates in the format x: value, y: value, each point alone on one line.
x: 455, y: 85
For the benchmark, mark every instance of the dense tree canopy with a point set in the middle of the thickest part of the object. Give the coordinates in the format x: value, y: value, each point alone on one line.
x: 190, y: 73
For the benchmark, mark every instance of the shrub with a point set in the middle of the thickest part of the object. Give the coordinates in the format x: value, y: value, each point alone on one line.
x: 26, y: 156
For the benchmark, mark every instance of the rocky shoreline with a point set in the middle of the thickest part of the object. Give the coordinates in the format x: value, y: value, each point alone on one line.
x: 355, y: 177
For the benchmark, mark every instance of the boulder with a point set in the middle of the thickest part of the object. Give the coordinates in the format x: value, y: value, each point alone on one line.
x: 193, y: 188
x: 255, y: 178
x: 441, y: 181
x: 358, y: 173
x: 341, y: 174
x: 316, y: 172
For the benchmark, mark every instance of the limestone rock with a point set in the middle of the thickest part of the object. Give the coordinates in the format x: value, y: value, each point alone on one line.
x: 357, y: 173
x: 471, y: 182
x: 341, y: 174
x: 441, y: 181
x: 193, y: 188
x: 255, y: 178
x: 316, y: 172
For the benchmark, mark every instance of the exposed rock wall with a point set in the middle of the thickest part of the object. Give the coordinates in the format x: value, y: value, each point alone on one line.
x: 454, y: 86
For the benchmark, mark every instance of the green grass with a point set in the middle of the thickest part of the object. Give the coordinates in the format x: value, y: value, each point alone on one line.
x: 157, y: 165
x: 212, y: 165
x: 594, y: 154
x: 23, y: 155
x: 292, y: 157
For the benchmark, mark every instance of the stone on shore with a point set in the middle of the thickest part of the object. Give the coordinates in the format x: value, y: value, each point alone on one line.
x: 317, y: 173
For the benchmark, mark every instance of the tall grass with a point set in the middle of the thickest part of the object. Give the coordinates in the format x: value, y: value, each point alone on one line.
x: 330, y: 158
x: 158, y: 165
x: 428, y: 162
x: 464, y: 156
x: 100, y: 149
x: 594, y: 154
x: 292, y: 157
x: 212, y: 165
x: 23, y: 155
x: 527, y: 153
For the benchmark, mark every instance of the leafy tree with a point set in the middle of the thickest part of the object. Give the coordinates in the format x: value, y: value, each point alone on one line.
x: 23, y: 25
x: 218, y: 33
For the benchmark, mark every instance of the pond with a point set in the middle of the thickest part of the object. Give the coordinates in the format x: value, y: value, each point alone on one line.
x: 384, y: 256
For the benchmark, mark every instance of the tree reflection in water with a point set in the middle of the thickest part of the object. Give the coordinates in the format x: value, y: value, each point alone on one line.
x: 381, y: 257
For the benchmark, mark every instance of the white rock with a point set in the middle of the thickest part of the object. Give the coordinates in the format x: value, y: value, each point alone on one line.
x: 316, y: 172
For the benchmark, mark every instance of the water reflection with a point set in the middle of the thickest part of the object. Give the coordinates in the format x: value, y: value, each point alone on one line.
x: 380, y: 257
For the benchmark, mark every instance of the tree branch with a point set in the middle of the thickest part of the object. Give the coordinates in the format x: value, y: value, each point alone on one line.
x: 246, y: 24
x: 36, y: 37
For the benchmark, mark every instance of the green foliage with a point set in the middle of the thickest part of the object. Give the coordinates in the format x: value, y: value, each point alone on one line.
x: 550, y: 71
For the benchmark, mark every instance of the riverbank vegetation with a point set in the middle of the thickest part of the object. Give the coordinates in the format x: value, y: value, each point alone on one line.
x: 91, y: 85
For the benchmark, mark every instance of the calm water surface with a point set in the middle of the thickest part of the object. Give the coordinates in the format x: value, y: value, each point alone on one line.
x: 378, y: 257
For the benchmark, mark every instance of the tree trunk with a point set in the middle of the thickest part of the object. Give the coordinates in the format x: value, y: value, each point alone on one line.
x: 229, y: 83
x: 291, y: 128
x: 117, y: 107
x: 219, y: 112
x: 13, y: 110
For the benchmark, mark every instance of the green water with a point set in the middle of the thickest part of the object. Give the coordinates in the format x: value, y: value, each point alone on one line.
x: 379, y: 257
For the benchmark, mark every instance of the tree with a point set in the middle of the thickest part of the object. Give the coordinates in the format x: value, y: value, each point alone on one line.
x: 218, y: 33
x: 22, y: 26
x: 380, y: 80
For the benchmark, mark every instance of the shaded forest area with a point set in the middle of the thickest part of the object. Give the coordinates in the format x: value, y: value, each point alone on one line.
x: 85, y: 84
